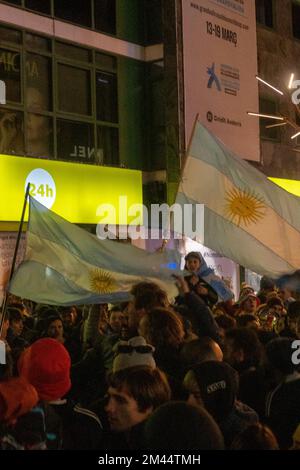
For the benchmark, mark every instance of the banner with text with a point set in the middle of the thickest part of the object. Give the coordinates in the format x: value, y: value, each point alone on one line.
x: 220, y: 64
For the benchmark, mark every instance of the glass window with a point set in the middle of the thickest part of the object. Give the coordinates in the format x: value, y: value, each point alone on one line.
x: 38, y: 83
x: 39, y: 135
x: 153, y: 15
x: 73, y: 52
x: 107, y: 97
x: 108, y: 146
x: 43, y: 6
x: 264, y: 12
x: 10, y: 36
x: 76, y: 11
x: 106, y: 62
x: 10, y: 73
x: 15, y: 2
x: 268, y: 106
x: 156, y: 104
x: 105, y: 15
x: 39, y: 43
x: 74, y: 90
x: 11, y: 132
x: 75, y: 141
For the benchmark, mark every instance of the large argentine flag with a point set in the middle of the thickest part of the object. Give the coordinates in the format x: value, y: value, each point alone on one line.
x: 65, y: 265
x: 247, y: 218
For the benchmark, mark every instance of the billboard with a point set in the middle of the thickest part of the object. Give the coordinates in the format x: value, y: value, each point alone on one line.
x: 72, y: 190
x: 220, y: 64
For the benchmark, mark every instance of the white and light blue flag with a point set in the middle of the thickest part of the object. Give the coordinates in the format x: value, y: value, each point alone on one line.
x: 247, y: 218
x: 65, y: 265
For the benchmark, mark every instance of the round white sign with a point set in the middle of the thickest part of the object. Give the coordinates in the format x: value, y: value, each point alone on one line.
x: 42, y: 187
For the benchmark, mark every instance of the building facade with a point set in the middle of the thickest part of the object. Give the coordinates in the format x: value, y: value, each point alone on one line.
x: 101, y: 82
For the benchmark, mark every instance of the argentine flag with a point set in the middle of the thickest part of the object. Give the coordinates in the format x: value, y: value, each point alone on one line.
x: 65, y: 265
x: 247, y: 218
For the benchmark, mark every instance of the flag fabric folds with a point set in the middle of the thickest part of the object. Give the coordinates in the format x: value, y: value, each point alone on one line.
x: 65, y: 265
x: 247, y: 218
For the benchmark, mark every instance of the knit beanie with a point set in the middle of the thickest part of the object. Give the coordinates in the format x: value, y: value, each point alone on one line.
x: 46, y: 365
x: 134, y: 352
x: 217, y: 382
x: 17, y: 397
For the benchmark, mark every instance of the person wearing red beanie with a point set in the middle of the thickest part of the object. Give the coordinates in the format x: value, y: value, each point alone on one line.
x: 46, y: 365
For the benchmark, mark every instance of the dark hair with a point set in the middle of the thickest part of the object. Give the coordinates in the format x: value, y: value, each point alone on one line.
x: 149, y: 295
x: 266, y: 283
x: 255, y: 437
x: 164, y: 327
x: 247, y: 340
x: 178, y: 425
x: 14, y: 314
x: 225, y: 321
x: 274, y: 301
x: 294, y: 309
x: 193, y: 254
x: 149, y: 387
x: 243, y: 320
x: 279, y: 353
x: 197, y: 351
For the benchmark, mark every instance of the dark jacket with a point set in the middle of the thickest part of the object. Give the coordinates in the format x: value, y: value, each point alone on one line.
x: 283, y: 410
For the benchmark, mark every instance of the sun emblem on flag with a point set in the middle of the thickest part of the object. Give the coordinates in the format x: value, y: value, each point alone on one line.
x: 244, y: 206
x: 102, y: 282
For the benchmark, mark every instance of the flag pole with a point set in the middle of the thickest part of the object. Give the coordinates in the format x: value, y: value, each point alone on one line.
x: 190, y: 142
x: 4, y: 304
x: 164, y: 241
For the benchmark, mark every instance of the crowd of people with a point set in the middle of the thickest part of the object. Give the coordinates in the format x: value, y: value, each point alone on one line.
x: 194, y: 374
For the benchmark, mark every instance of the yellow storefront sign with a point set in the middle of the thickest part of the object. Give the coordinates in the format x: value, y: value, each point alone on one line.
x: 292, y: 186
x: 72, y: 190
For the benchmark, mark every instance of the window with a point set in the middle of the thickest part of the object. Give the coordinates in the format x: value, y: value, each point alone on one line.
x: 105, y: 16
x: 264, y: 12
x: 72, y: 52
x: 11, y: 132
x: 76, y: 11
x: 10, y: 73
x: 153, y: 15
x: 157, y: 124
x: 39, y: 135
x: 14, y: 2
x: 74, y: 90
x: 10, y: 36
x: 106, y: 62
x: 38, y: 43
x: 38, y: 83
x: 43, y: 6
x: 296, y: 19
x: 268, y: 106
x: 75, y: 141
x: 107, y: 97
x: 108, y: 145
x: 61, y: 105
